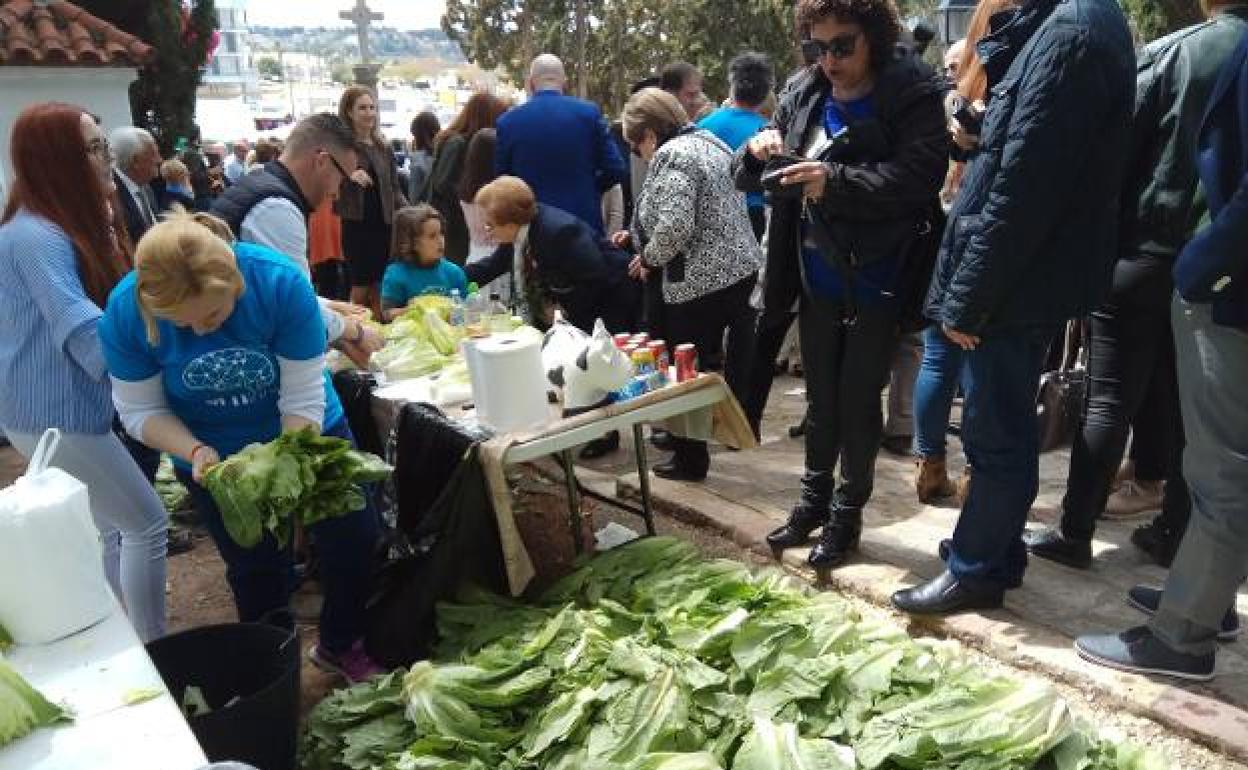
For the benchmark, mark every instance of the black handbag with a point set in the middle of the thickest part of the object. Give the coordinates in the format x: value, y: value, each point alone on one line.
x: 1063, y: 393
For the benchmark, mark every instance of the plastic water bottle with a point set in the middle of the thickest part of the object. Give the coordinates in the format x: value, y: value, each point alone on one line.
x: 474, y: 308
x: 457, y: 309
x: 497, y: 318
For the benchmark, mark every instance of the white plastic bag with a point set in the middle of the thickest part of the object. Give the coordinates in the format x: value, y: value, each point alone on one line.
x: 52, y: 580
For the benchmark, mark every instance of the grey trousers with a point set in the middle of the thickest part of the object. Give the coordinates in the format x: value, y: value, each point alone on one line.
x: 900, y: 420
x: 1213, y: 559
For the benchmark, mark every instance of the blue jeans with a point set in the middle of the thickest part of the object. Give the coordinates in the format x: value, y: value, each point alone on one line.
x: 1001, y: 439
x: 262, y: 578
x: 934, y: 391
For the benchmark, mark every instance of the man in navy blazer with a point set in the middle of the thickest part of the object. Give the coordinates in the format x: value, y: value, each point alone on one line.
x: 559, y: 145
x: 1210, y: 319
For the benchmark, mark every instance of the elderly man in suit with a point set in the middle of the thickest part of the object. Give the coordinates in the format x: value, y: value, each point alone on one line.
x: 559, y: 145
x: 136, y: 163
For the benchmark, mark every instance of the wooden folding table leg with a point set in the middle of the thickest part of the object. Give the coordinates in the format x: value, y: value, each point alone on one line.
x: 643, y: 477
x: 574, y: 498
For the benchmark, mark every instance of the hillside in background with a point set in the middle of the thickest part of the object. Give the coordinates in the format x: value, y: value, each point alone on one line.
x: 387, y: 42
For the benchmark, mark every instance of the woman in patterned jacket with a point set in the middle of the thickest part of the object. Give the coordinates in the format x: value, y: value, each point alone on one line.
x: 693, y: 226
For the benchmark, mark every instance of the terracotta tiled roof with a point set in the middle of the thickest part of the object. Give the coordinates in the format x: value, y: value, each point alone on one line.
x: 57, y: 33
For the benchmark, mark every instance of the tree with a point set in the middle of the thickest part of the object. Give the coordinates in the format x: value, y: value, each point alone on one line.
x: 622, y: 40
x: 269, y: 67
x: 340, y: 72
x: 162, y: 100
x: 1154, y: 18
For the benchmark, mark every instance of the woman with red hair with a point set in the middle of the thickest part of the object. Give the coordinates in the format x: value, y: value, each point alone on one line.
x: 59, y: 259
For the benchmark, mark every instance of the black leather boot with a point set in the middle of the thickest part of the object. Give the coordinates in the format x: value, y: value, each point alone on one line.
x: 803, y: 520
x: 838, y: 539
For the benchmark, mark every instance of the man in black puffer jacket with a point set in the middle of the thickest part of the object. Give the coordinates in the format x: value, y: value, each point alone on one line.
x: 1030, y: 243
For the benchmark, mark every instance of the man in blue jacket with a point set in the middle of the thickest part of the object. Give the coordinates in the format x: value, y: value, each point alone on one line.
x: 1210, y: 318
x: 1030, y: 243
x: 560, y: 146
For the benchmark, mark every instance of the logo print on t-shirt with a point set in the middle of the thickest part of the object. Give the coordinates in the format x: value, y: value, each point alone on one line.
x: 240, y: 375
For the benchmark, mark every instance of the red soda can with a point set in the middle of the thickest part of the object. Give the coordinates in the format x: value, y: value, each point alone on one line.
x: 621, y: 339
x: 641, y: 339
x: 661, y: 360
x: 686, y: 362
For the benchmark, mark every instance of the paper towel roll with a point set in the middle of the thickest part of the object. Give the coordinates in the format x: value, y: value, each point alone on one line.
x: 508, y: 384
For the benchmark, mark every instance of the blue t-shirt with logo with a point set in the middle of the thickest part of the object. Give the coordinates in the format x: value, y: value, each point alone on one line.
x: 224, y: 385
x: 734, y: 126
x: 404, y: 280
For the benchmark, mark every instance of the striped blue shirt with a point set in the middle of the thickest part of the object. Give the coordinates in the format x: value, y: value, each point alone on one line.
x: 51, y: 366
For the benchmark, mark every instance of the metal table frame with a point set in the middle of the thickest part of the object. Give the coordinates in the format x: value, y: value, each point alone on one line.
x: 561, y: 444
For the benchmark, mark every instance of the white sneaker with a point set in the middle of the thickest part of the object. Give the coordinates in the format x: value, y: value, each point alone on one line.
x: 1134, y: 498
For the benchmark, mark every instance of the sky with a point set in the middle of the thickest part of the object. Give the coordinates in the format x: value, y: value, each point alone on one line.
x: 404, y: 14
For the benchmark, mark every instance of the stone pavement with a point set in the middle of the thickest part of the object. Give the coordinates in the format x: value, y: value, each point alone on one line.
x: 748, y: 493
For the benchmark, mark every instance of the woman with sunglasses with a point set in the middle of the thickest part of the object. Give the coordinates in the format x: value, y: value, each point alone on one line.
x: 853, y: 161
x: 59, y: 259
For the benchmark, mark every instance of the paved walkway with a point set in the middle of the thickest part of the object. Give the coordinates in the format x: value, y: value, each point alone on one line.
x: 748, y: 493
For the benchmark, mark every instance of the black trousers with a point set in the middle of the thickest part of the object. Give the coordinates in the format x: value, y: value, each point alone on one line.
x: 847, y: 367
x: 704, y: 321
x: 332, y: 280
x: 782, y: 285
x: 1131, y: 353
x: 769, y: 333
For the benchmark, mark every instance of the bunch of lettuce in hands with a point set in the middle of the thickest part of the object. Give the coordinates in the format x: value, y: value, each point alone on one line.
x: 299, y: 473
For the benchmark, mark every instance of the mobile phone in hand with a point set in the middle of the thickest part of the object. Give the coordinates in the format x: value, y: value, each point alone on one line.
x: 970, y: 118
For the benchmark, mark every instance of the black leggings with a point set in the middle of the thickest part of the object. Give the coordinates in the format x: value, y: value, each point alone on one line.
x: 1131, y: 354
x: 703, y: 322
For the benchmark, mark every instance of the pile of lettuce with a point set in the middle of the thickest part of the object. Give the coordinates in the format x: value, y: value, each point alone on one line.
x: 418, y: 343
x: 651, y: 658
x: 22, y: 709
x: 300, y: 473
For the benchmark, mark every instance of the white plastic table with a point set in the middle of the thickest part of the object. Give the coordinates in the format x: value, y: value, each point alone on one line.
x: 91, y: 672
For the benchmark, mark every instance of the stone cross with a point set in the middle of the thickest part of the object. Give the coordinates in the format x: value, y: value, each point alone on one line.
x: 360, y: 16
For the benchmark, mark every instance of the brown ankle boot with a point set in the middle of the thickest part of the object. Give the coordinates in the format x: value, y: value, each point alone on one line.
x: 931, y: 482
x: 964, y: 485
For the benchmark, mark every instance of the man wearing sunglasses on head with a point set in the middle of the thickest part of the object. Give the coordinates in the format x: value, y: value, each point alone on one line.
x: 271, y: 207
x: 852, y: 164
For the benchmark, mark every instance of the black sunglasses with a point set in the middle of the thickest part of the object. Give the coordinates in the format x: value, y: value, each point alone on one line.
x: 839, y: 47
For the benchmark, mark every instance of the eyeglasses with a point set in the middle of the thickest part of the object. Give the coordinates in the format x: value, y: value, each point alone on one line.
x: 101, y: 149
x: 337, y: 165
x: 839, y: 47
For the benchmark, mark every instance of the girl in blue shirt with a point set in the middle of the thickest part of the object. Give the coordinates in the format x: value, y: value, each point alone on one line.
x: 210, y: 348
x: 418, y: 266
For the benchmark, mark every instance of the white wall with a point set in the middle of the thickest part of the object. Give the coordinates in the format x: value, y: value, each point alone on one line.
x: 103, y: 91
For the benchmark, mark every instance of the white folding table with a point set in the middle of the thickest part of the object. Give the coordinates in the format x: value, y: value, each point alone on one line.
x: 92, y: 672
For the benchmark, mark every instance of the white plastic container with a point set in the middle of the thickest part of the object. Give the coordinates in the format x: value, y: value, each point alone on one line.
x: 52, y: 580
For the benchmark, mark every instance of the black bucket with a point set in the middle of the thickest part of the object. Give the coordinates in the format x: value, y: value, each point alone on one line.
x: 252, y: 667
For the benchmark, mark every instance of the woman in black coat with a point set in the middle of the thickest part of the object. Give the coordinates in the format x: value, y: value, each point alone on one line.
x: 868, y: 127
